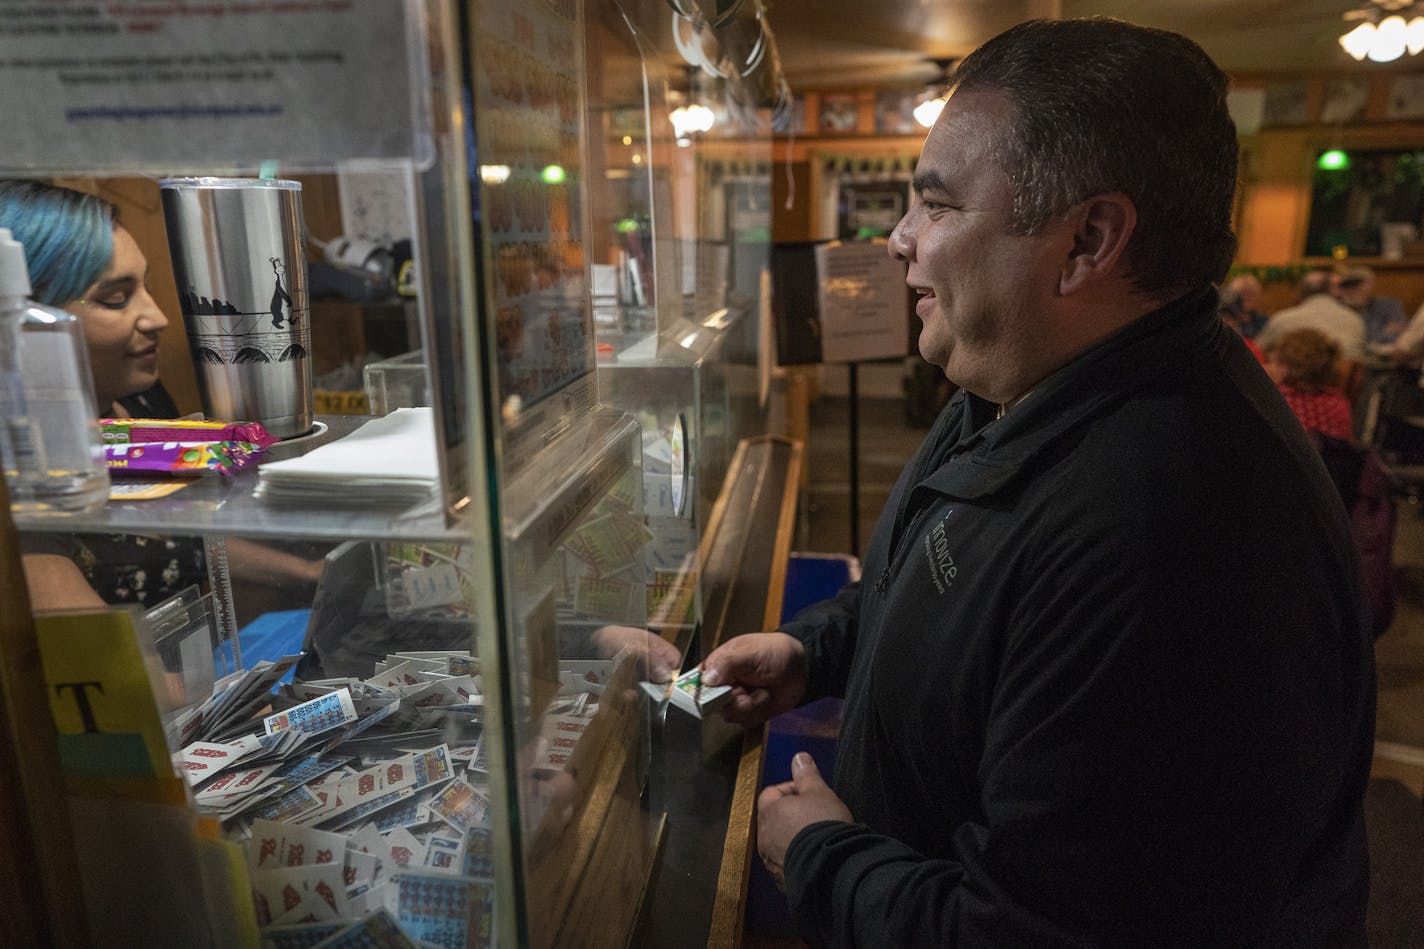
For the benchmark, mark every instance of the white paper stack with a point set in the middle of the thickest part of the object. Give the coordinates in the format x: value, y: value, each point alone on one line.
x: 388, y: 462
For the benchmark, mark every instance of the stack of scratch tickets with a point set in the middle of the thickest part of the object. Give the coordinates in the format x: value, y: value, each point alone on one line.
x: 689, y: 694
x: 363, y: 804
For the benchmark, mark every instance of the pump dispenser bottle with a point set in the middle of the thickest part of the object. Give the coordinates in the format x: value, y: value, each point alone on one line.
x: 50, y: 446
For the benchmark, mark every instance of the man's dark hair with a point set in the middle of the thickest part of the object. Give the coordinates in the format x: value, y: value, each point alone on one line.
x: 1103, y: 105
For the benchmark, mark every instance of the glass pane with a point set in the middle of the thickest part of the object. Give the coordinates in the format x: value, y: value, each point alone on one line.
x: 1359, y: 197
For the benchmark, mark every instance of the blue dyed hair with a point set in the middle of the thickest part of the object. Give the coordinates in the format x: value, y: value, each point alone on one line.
x: 68, y: 236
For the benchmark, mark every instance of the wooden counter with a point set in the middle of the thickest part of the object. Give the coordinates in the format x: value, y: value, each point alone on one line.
x: 710, y: 770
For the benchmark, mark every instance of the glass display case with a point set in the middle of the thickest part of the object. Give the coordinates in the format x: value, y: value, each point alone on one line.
x: 680, y: 352
x: 415, y: 686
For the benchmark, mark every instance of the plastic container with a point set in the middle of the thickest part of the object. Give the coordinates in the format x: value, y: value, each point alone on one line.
x: 400, y: 382
x: 50, y: 446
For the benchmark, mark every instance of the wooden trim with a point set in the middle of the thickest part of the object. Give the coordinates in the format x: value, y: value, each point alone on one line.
x: 813, y: 148
x: 729, y: 905
x: 814, y: 184
x: 719, y: 511
x: 785, y: 532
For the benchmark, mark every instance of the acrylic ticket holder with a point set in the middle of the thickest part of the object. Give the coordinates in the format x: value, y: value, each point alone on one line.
x: 185, y: 635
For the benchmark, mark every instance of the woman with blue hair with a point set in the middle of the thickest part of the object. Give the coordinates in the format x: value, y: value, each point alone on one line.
x: 83, y: 260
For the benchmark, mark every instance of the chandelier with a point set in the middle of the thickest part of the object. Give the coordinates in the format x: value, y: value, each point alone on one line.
x: 1386, y: 29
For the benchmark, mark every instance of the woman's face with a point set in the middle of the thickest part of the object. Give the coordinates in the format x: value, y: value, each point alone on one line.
x: 121, y: 325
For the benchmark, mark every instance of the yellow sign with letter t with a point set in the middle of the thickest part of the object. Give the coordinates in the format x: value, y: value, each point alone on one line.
x: 102, y: 695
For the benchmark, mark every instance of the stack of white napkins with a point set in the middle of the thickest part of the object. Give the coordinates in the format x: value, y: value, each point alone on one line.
x: 388, y: 462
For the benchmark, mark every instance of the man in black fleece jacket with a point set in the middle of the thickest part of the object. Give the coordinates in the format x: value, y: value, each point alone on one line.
x: 1108, y: 678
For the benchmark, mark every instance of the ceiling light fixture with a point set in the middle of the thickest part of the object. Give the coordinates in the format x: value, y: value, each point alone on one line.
x: 932, y: 100
x: 692, y: 117
x: 1385, y: 30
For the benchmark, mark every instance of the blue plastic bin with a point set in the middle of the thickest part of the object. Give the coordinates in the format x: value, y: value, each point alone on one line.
x: 810, y: 578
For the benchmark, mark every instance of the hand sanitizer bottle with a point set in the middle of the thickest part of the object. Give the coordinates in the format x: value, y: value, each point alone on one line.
x: 50, y: 446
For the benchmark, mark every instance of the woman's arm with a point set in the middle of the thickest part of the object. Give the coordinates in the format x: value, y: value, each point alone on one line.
x: 259, y: 563
x: 55, y: 583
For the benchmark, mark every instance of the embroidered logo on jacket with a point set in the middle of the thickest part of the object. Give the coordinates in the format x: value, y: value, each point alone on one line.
x: 942, y: 566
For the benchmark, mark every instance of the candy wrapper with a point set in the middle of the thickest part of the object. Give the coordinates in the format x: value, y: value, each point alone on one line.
x: 182, y: 457
x: 126, y: 431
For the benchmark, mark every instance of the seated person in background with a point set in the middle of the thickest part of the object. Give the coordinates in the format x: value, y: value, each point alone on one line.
x: 1303, y: 365
x: 1248, y: 290
x: 81, y: 259
x: 1384, y: 317
x: 1406, y: 348
x: 1228, y: 307
x: 1319, y: 310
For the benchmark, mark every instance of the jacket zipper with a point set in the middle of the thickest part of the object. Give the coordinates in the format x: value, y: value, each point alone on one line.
x: 899, y: 547
x: 897, y: 533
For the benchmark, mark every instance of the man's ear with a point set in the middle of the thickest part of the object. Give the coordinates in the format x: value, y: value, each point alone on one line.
x: 1104, y: 226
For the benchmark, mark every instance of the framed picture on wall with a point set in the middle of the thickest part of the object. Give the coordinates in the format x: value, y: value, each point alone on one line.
x: 1345, y: 99
x: 1406, y: 97
x: 1285, y: 104
x: 840, y: 112
x: 793, y: 121
x: 895, y: 113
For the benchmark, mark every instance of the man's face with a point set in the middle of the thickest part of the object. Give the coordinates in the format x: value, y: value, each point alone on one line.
x: 1250, y: 290
x: 1356, y: 293
x: 983, y: 290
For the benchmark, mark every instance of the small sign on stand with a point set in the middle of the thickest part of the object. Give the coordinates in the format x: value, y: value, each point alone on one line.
x: 862, y: 302
x: 841, y: 302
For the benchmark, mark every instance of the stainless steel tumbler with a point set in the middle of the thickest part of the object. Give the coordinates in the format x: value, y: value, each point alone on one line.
x: 240, y: 266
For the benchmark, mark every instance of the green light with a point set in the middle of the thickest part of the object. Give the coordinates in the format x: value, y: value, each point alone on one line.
x: 626, y: 226
x: 1333, y: 160
x: 552, y: 174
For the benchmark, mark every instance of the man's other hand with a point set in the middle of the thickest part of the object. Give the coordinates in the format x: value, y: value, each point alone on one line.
x: 657, y: 658
x: 784, y: 809
x: 767, y: 673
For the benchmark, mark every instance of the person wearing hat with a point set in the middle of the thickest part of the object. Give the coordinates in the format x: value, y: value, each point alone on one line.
x: 1384, y: 317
